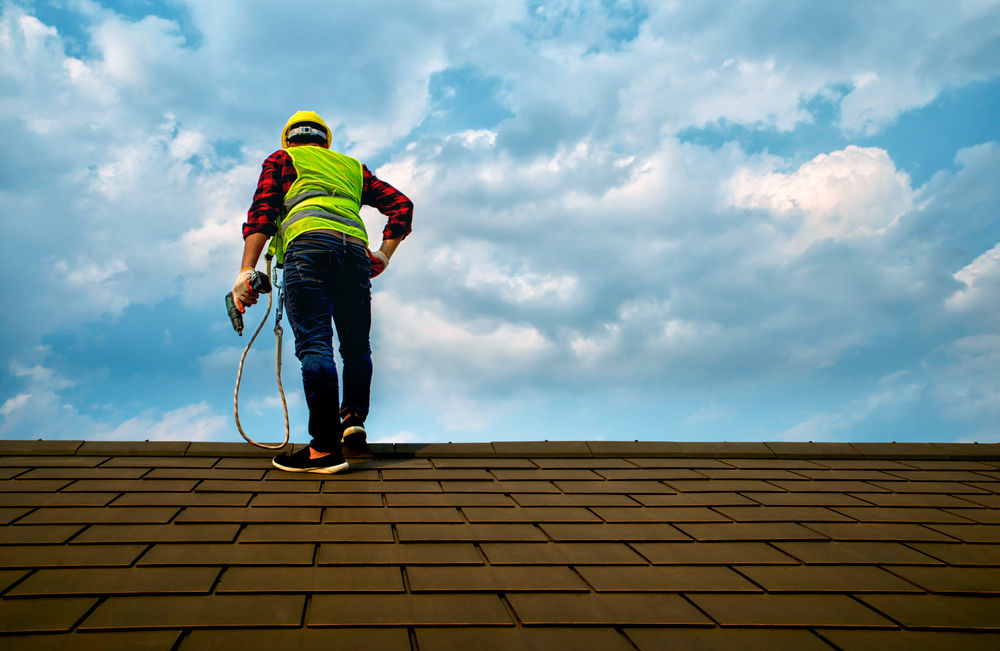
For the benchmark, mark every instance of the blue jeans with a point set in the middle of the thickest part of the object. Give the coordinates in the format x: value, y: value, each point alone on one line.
x: 327, y: 280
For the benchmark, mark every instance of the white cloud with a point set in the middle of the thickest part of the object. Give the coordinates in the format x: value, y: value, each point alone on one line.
x: 711, y: 413
x: 40, y: 376
x: 13, y: 404
x: 967, y: 385
x: 411, y: 332
x: 401, y: 437
x: 981, y: 278
x: 839, y: 424
x: 876, y: 101
x: 853, y: 192
x: 478, y: 266
x: 190, y: 423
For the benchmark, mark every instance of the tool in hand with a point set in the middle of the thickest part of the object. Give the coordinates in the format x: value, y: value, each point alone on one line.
x: 258, y: 282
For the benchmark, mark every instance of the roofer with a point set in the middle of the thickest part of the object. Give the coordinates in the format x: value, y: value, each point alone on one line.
x: 308, y: 201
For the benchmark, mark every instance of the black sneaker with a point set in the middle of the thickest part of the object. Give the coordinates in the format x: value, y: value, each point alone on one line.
x: 300, y: 462
x: 355, y: 438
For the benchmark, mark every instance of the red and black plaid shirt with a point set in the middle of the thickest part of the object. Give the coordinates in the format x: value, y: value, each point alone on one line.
x: 279, y: 173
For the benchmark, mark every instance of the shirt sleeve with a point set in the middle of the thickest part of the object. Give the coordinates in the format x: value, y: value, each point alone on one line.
x: 390, y: 202
x: 276, y: 176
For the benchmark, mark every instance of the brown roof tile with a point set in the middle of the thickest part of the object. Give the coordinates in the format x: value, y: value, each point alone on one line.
x: 521, y: 639
x: 788, y: 610
x: 470, y: 533
x: 382, y: 639
x: 494, y: 579
x: 636, y: 609
x: 720, y: 639
x: 983, y: 533
x: 646, y: 532
x: 692, y: 578
x: 95, y: 515
x: 77, y: 556
x: 448, y: 499
x: 932, y: 611
x: 291, y: 533
x: 570, y: 553
x: 752, y: 553
x: 636, y: 449
x: 248, y: 514
x: 876, y: 531
x: 660, y: 514
x: 91, y: 581
x: 807, y: 499
x: 828, y: 578
x: 50, y: 461
x: 265, y: 580
x: 586, y: 499
x: 144, y: 640
x: 457, y: 553
x: 542, y: 449
x: 42, y: 615
x: 445, y: 450
x: 750, y: 531
x: 848, y: 640
x: 217, y: 554
x: 408, y: 610
x: 42, y: 535
x: 959, y: 580
x: 151, y: 533
x: 8, y: 515
x: 180, y: 499
x: 38, y: 448
x: 197, y: 612
x: 856, y: 552
x: 960, y: 554
x: 694, y: 499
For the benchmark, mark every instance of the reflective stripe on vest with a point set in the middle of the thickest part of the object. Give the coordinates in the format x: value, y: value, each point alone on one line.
x: 291, y: 202
x: 302, y: 214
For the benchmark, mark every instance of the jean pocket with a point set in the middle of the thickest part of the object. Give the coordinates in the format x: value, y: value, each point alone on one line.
x: 304, y: 266
x: 362, y: 268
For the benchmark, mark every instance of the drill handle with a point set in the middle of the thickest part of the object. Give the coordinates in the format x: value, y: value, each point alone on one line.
x: 260, y: 282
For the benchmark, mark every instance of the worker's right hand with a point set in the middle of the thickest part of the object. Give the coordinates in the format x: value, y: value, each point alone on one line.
x: 243, y: 294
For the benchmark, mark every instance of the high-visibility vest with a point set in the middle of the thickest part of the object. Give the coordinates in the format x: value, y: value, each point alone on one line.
x: 326, y: 195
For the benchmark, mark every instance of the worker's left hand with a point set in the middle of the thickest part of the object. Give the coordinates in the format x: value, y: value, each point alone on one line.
x: 379, y: 262
x: 243, y: 294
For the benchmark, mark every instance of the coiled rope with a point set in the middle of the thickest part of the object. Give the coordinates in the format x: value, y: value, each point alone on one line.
x: 278, y: 334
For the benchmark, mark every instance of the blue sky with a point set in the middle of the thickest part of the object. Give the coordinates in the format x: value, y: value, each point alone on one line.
x: 726, y: 220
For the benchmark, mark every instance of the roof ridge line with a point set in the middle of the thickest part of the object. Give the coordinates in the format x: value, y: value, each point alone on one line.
x: 536, y: 449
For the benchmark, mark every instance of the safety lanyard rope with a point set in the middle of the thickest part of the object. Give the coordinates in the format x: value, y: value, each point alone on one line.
x: 278, y: 334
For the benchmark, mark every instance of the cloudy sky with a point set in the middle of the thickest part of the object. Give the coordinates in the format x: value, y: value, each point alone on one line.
x: 723, y: 220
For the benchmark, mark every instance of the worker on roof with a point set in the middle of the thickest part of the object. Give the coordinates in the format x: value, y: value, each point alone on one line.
x: 308, y: 202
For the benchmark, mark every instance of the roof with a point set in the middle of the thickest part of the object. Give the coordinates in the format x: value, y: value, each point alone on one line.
x: 534, y: 545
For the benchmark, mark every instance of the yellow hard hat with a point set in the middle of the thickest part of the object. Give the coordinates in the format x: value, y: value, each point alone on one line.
x: 301, y: 118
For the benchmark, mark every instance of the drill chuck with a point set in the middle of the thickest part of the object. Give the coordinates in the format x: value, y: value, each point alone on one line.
x: 257, y: 281
x: 234, y: 314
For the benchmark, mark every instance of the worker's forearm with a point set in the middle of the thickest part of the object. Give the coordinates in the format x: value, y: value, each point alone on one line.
x: 389, y: 247
x: 253, y: 245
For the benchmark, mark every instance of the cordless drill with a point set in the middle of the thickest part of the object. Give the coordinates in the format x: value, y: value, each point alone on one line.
x: 259, y: 282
